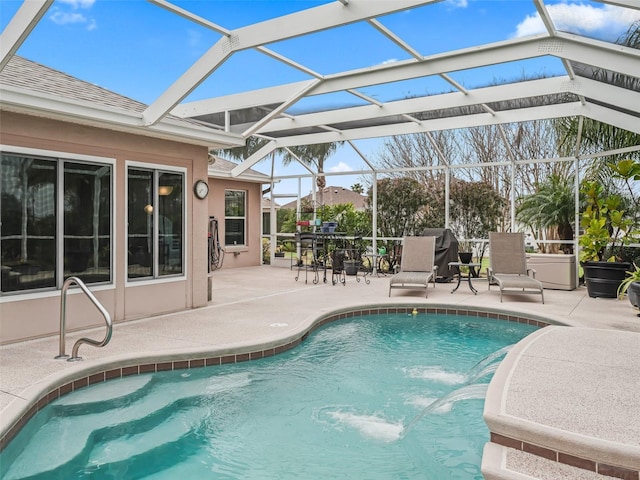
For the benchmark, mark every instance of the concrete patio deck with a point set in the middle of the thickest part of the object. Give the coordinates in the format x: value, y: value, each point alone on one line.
x: 266, y: 307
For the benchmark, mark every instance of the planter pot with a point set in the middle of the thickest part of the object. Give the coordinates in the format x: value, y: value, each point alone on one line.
x: 328, y: 227
x: 465, y: 257
x: 603, y: 278
x: 351, y: 267
x: 338, y: 261
x: 633, y: 292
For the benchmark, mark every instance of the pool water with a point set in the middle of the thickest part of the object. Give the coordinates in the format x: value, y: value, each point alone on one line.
x: 374, y: 397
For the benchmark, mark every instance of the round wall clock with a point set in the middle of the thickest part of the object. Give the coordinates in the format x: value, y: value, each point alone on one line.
x: 201, y: 189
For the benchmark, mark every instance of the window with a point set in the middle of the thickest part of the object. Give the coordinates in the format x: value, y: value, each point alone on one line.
x: 155, y: 236
x: 234, y: 217
x: 56, y: 222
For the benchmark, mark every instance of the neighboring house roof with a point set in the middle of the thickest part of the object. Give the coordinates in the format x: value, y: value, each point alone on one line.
x: 335, y: 196
x: 32, y: 88
x: 221, y: 168
x: 266, y: 205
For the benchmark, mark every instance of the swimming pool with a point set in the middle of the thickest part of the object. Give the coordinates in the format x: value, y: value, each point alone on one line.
x: 377, y: 396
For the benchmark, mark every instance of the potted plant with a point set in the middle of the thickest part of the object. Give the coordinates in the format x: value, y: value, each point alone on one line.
x: 608, y: 227
x: 307, y: 206
x: 465, y: 251
x: 631, y: 286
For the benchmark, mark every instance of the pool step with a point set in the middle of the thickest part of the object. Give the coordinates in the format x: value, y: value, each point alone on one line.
x: 503, y: 463
x: 156, y: 460
x: 178, y: 424
x: 139, y: 407
x: 104, y: 396
x: 83, y: 432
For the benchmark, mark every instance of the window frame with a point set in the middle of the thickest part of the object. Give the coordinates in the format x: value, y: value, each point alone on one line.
x: 157, y: 169
x: 61, y: 159
x: 244, y: 244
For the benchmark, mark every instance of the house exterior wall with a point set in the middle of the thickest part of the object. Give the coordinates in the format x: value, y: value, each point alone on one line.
x: 251, y: 253
x: 35, y: 314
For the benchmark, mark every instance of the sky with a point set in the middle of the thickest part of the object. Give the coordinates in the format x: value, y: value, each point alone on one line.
x: 138, y: 49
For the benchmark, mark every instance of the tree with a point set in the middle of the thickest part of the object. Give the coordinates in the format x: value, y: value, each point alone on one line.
x: 252, y: 145
x: 311, y: 155
x: 552, y: 206
x: 401, y: 203
x: 596, y: 136
x: 434, y: 209
x: 286, y: 220
x: 358, y: 188
x: 476, y: 209
x: 435, y: 149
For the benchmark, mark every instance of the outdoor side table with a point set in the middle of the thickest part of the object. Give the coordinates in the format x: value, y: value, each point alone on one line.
x: 467, y: 276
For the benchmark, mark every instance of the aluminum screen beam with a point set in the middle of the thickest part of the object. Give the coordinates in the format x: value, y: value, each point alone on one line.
x: 565, y: 46
x: 601, y: 91
x: 281, y: 28
x: 511, y: 50
x: 534, y: 113
x: 484, y: 119
x: 622, y: 3
x: 20, y: 26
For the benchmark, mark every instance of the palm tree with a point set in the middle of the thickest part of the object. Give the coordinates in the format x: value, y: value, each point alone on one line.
x: 252, y: 145
x: 551, y: 207
x: 358, y: 188
x: 597, y: 136
x: 313, y: 156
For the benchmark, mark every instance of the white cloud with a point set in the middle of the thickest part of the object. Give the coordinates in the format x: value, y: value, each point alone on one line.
x: 608, y: 21
x: 66, y: 12
x: 458, y: 3
x: 63, y: 18
x: 341, y: 167
x: 390, y: 60
x: 75, y: 4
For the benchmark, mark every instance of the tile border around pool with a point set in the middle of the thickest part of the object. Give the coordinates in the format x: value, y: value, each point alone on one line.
x: 206, y: 361
x: 565, y: 458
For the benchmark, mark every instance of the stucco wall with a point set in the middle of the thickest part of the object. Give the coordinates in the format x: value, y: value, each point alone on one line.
x: 239, y: 256
x: 37, y: 314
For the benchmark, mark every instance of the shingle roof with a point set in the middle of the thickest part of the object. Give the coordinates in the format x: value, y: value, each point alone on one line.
x: 222, y: 168
x: 266, y: 204
x: 24, y: 73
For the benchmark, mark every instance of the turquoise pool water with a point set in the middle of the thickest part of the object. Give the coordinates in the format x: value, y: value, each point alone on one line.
x: 374, y: 397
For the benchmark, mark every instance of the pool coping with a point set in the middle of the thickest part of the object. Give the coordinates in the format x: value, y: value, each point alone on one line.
x: 573, y: 448
x: 80, y: 375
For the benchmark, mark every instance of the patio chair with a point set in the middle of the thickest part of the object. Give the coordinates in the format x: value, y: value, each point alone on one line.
x: 417, y: 265
x: 309, y: 260
x: 508, y: 267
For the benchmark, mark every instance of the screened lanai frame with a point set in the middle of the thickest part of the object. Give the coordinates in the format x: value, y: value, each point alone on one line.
x: 270, y: 113
x: 377, y: 173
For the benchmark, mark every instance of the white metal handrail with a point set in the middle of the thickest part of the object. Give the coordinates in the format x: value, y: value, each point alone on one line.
x: 63, y: 318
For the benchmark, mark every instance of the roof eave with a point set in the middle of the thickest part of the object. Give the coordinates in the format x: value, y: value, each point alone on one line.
x: 246, y: 176
x: 60, y: 108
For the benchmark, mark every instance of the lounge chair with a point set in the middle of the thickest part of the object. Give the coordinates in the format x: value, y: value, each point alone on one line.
x: 509, y: 265
x: 417, y: 265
